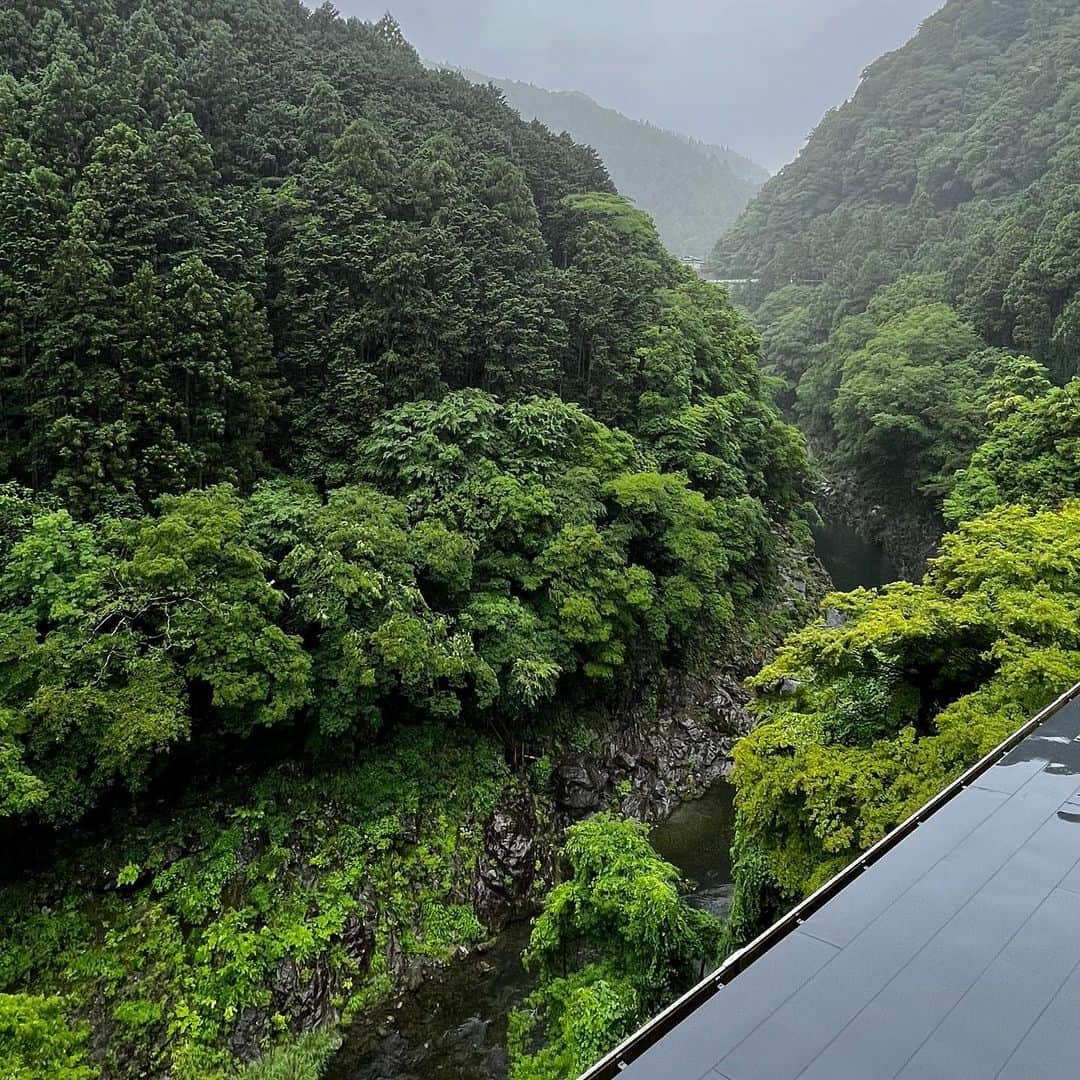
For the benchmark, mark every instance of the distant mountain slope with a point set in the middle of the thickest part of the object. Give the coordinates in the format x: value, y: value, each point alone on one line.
x: 692, y: 190
x: 927, y: 234
x: 960, y: 153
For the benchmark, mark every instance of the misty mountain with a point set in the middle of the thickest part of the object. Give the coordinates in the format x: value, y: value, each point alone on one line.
x: 958, y: 154
x: 925, y: 237
x: 756, y: 76
x: 693, y: 190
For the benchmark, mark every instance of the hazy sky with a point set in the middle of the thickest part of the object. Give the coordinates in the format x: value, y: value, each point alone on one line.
x: 754, y: 74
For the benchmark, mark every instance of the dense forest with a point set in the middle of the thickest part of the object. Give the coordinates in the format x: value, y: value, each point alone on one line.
x: 357, y: 440
x: 917, y: 285
x: 692, y: 190
x: 363, y: 450
x: 923, y: 239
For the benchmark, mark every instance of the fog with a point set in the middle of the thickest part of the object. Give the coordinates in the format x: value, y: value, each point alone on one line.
x: 756, y: 74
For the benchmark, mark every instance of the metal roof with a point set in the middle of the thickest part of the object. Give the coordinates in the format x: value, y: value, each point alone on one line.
x: 951, y: 950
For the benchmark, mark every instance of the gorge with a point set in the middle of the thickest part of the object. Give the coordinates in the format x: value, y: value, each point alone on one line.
x: 392, y: 531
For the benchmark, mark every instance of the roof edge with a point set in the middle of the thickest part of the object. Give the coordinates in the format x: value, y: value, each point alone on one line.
x: 665, y: 1022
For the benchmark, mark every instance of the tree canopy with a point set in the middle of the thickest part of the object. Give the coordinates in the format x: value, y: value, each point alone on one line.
x: 868, y: 714
x: 351, y: 427
x: 692, y: 190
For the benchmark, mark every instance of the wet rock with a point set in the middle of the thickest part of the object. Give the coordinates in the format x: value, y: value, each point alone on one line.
x: 637, y: 806
x: 835, y: 618
x: 790, y: 686
x: 306, y: 999
x: 507, y: 867
x: 407, y: 971
x: 359, y: 940
x: 578, y: 790
x: 246, y: 1040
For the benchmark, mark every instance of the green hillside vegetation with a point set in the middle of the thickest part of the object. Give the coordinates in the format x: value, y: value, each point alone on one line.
x: 361, y: 448
x: 917, y: 294
x: 354, y: 434
x: 956, y: 162
x: 692, y: 190
x: 1031, y: 455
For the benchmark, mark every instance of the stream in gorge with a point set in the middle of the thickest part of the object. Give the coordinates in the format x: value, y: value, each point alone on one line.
x: 453, y: 1027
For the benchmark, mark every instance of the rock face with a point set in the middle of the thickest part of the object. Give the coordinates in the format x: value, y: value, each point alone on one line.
x: 650, y: 764
x: 304, y: 996
x: 507, y: 867
x: 579, y: 787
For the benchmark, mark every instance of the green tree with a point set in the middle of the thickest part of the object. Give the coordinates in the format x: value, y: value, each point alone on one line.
x: 1031, y: 455
x: 614, y: 942
x: 119, y: 640
x: 37, y: 1043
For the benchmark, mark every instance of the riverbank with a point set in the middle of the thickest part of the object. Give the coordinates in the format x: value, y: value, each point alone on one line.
x: 661, y: 758
x: 908, y: 542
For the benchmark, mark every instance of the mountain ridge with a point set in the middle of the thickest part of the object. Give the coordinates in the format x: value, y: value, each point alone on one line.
x: 692, y: 189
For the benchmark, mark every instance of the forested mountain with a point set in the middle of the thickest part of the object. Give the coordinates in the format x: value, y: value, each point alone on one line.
x: 352, y: 430
x: 691, y: 190
x: 955, y: 165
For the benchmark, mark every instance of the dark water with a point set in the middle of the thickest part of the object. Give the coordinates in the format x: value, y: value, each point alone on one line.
x: 851, y: 561
x: 453, y: 1027
x: 697, y: 839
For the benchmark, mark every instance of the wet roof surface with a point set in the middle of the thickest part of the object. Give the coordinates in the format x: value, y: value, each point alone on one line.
x: 955, y: 956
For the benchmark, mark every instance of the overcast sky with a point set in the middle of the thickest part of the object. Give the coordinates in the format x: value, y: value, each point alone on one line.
x: 754, y: 74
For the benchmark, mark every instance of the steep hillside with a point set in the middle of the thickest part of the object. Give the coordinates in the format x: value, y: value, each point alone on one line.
x: 357, y: 442
x: 918, y: 286
x: 956, y: 166
x: 693, y: 191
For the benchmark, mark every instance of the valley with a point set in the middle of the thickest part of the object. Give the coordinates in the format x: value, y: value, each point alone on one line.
x: 438, y: 626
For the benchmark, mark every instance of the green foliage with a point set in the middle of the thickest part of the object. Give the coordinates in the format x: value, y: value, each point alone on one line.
x: 342, y: 413
x: 245, y: 900
x: 614, y: 942
x: 206, y: 267
x: 581, y: 1017
x: 534, y: 444
x: 957, y: 155
x: 37, y: 1043
x: 121, y: 638
x: 912, y: 402
x: 306, y: 1059
x: 900, y: 396
x: 1031, y: 456
x: 490, y: 556
x: 863, y: 722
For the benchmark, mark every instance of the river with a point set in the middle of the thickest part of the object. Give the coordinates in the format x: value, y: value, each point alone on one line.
x: 851, y: 561
x: 453, y: 1027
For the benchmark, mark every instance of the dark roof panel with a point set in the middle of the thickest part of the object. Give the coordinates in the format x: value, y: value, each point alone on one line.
x: 955, y: 955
